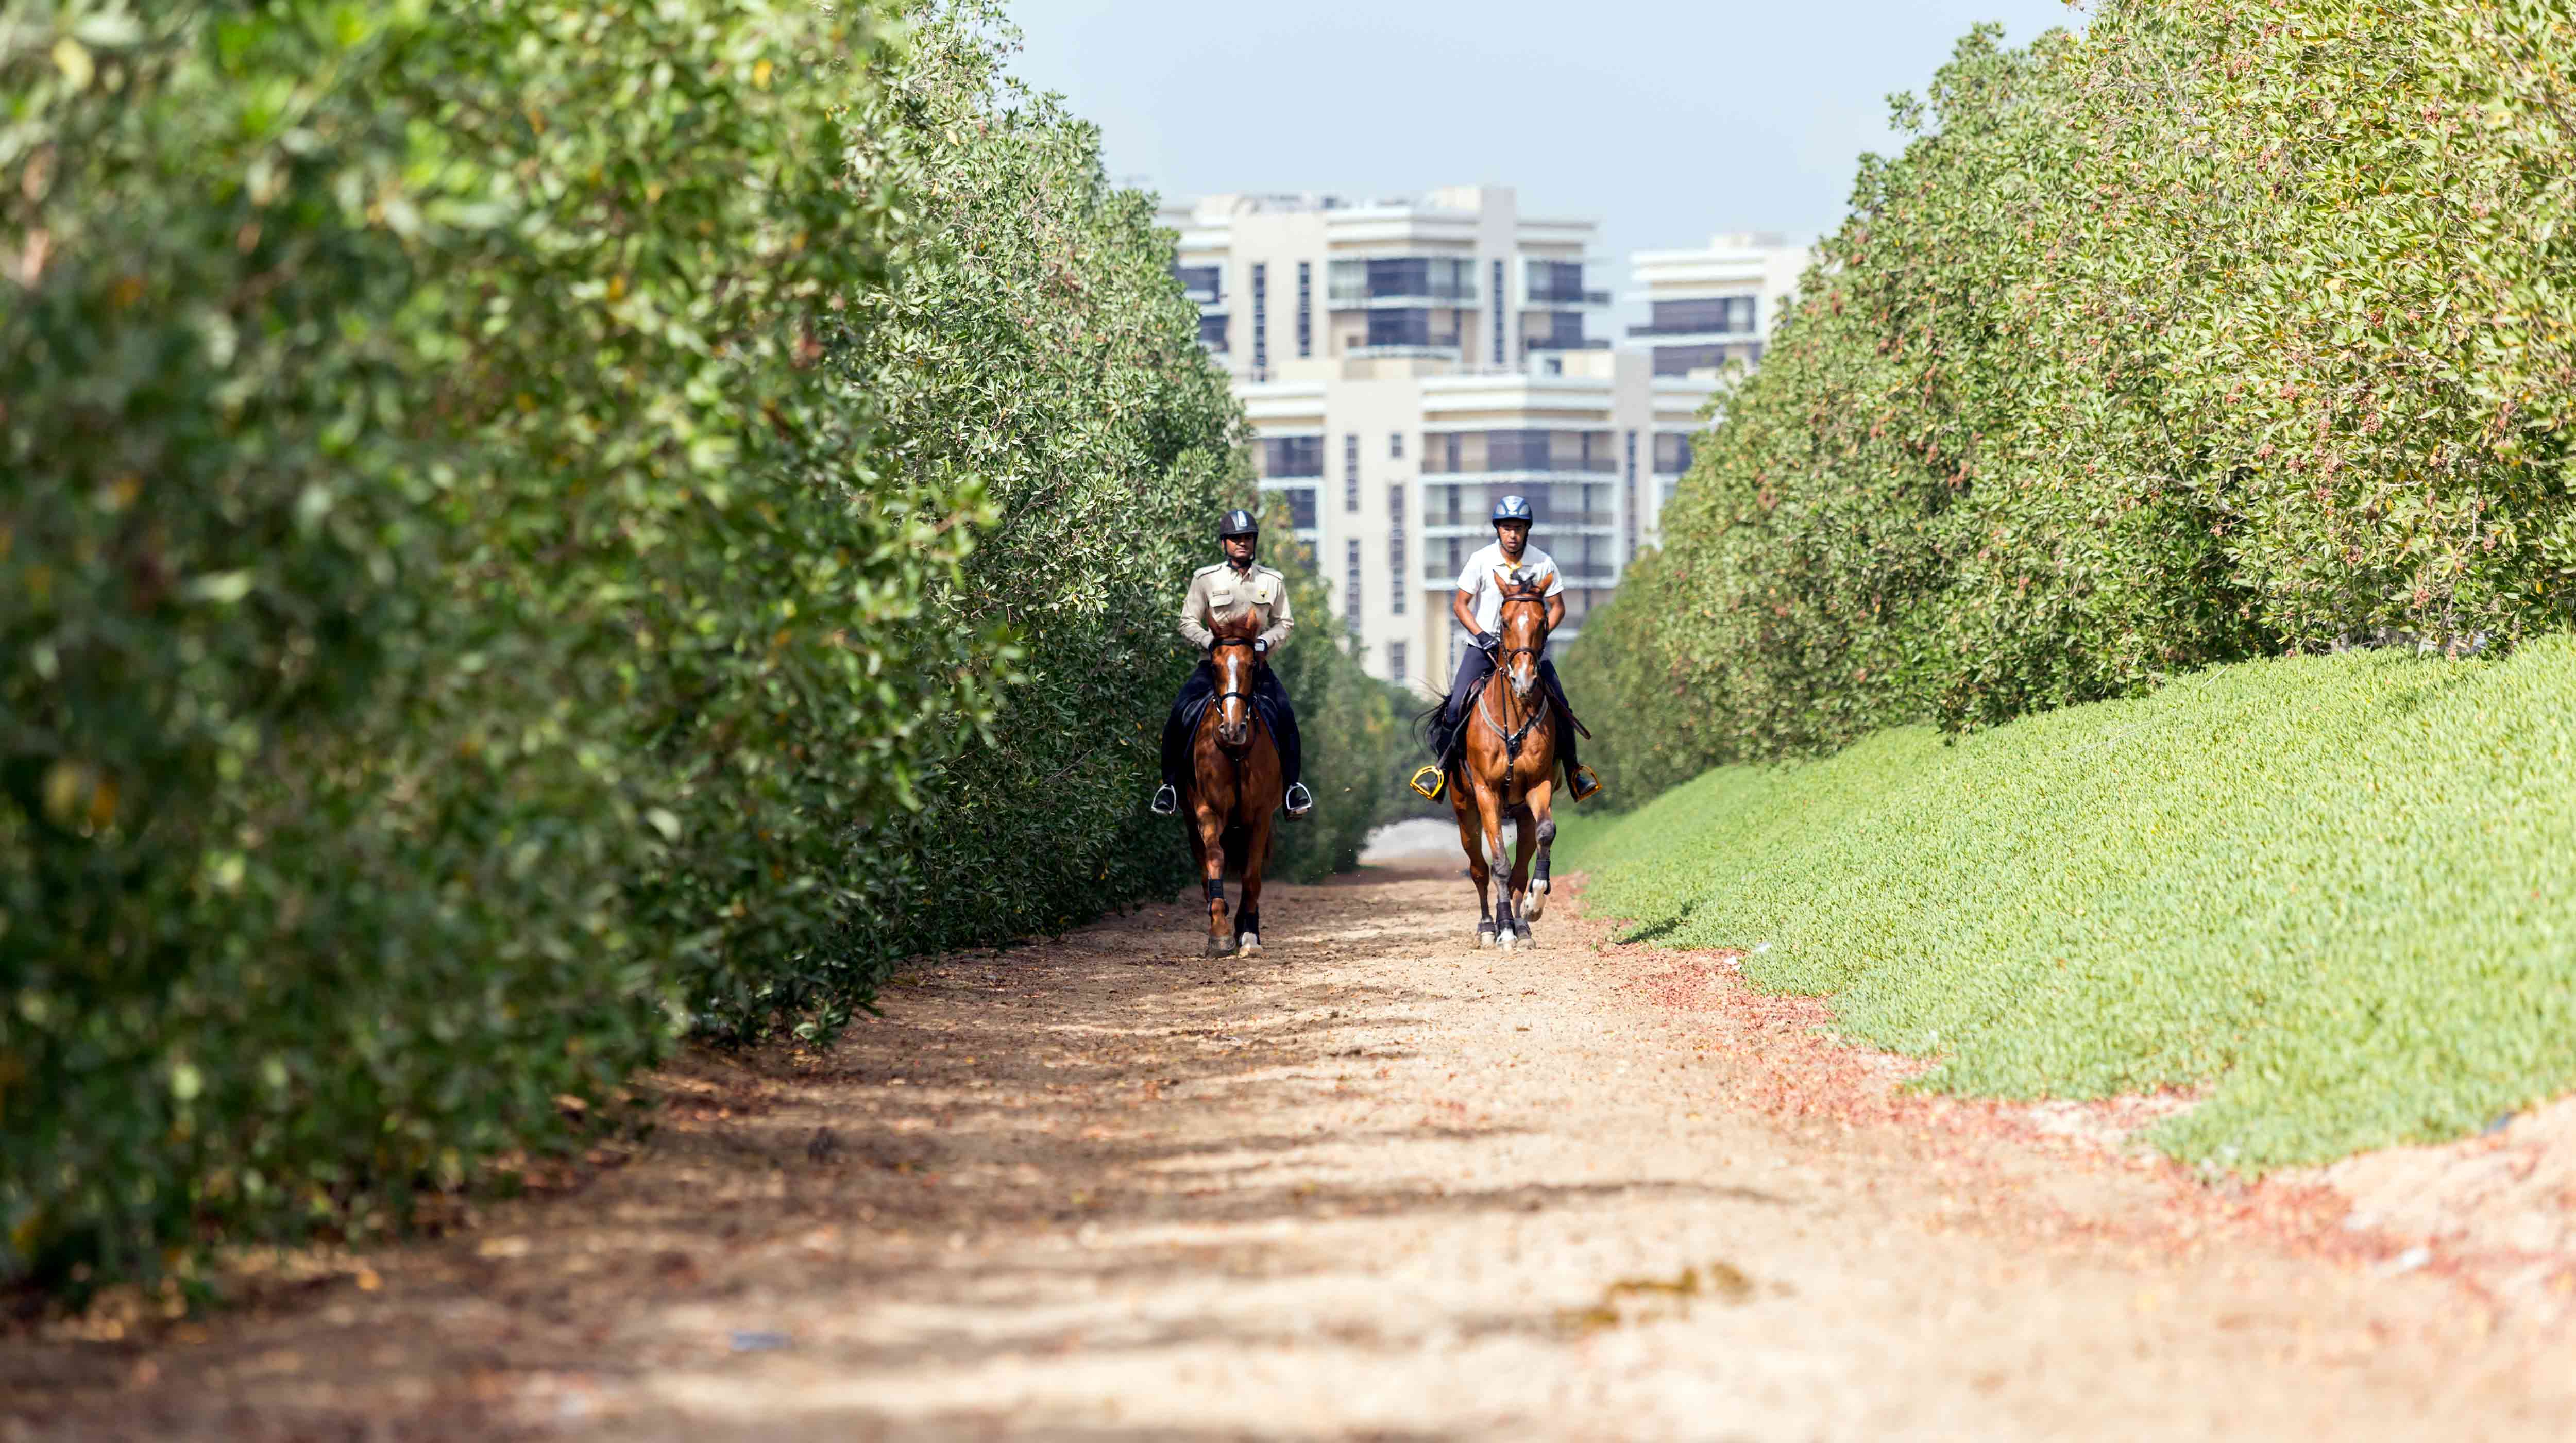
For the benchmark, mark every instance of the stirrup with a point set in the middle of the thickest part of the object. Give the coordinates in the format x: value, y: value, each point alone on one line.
x: 1431, y: 781
x: 1586, y: 783
x: 1299, y: 801
x: 1167, y: 801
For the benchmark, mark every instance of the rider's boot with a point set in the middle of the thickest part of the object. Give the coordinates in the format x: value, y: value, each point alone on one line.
x: 1300, y: 801
x: 1167, y: 800
x: 1584, y: 782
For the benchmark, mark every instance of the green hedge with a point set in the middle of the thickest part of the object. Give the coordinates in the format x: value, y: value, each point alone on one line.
x: 2330, y: 889
x: 2221, y: 329
x: 518, y: 551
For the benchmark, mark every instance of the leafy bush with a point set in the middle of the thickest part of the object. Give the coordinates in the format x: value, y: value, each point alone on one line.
x: 2329, y: 889
x: 518, y: 551
x: 2219, y: 330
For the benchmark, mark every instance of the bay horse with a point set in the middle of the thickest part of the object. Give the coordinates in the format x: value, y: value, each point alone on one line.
x: 1235, y: 788
x: 1508, y: 772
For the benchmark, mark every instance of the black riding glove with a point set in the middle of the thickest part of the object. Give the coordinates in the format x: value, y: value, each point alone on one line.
x: 1487, y: 641
x: 1261, y: 647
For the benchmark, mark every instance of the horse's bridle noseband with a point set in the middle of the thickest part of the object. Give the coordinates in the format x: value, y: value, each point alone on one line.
x: 1503, y: 655
x: 1253, y: 712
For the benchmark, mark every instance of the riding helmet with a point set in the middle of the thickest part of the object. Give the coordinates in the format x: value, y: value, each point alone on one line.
x: 1237, y: 522
x: 1513, y: 508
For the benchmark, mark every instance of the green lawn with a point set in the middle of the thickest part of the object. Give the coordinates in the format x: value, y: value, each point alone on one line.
x: 2335, y: 888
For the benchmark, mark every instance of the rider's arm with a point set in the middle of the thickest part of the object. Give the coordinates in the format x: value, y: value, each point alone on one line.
x: 1280, y: 622
x: 1556, y: 611
x: 1463, y: 607
x: 1195, y: 616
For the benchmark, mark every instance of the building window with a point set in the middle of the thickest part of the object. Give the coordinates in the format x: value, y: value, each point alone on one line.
x: 1351, y: 473
x: 1498, y: 313
x: 1203, y: 284
x: 1301, y: 507
x: 1395, y: 445
x: 1726, y: 316
x: 1672, y: 453
x: 1351, y: 584
x: 1628, y: 495
x: 1451, y: 451
x: 1408, y: 327
x: 1282, y: 457
x: 1395, y: 598
x: 1395, y: 659
x: 1212, y: 332
x: 1558, y: 283
x: 1260, y: 321
x: 1305, y: 308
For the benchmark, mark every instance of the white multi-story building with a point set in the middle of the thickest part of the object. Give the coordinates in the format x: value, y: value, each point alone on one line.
x: 1404, y: 364
x: 1709, y: 308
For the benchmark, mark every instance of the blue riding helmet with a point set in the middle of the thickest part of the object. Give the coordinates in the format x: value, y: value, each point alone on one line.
x: 1513, y: 508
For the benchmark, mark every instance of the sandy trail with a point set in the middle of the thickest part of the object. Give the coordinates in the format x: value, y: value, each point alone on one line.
x: 1375, y: 1184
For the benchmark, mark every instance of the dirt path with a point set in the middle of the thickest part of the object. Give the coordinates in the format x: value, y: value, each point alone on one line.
x: 1376, y: 1184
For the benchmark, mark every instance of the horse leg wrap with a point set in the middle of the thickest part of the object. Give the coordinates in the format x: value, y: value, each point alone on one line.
x: 1216, y: 889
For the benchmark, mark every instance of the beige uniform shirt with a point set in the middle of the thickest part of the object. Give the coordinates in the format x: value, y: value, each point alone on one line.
x: 1221, y: 593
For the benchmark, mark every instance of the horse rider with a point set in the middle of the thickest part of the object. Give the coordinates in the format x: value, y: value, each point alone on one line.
x: 1224, y: 592
x: 1479, y: 608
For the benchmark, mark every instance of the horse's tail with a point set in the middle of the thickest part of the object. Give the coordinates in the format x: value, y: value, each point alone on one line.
x: 1426, y: 725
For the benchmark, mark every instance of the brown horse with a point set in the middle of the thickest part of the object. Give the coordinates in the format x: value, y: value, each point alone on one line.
x: 1234, y: 790
x: 1509, y: 772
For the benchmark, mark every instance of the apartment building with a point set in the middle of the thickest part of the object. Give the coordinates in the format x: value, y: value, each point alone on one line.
x: 1709, y: 308
x: 1405, y: 363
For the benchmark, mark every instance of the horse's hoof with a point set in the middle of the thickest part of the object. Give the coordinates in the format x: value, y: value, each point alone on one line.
x: 1506, y: 942
x: 1220, y: 947
x: 1484, y: 934
x: 1249, y: 944
x: 1538, y: 902
x: 1521, y: 930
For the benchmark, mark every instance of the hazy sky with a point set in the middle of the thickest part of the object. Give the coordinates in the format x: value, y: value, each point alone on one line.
x: 1666, y: 120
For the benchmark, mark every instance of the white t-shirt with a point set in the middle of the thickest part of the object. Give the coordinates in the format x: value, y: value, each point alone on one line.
x: 1478, y: 578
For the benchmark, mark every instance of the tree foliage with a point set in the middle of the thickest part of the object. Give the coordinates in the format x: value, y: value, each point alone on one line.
x: 518, y: 547
x: 2220, y: 329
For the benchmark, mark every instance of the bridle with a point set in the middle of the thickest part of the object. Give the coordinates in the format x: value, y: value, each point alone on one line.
x: 1513, y: 739
x: 1252, y: 712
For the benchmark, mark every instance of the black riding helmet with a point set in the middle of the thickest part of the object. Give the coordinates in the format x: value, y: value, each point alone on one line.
x: 1237, y: 522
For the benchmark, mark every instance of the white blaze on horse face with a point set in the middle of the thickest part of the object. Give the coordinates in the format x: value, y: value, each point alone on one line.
x: 1234, y: 709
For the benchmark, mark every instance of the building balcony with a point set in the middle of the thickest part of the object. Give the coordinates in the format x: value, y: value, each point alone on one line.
x: 1437, y: 351
x: 1679, y: 334
x: 1565, y: 300
x: 1460, y: 298
x: 1535, y: 344
x: 1516, y: 469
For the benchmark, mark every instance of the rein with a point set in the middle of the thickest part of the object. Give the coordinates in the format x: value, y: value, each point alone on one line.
x: 1512, y: 740
x: 1217, y: 703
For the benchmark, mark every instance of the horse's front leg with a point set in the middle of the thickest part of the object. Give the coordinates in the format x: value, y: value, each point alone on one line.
x: 1489, y: 816
x: 1207, y: 821
x: 1471, y: 840
x: 1256, y: 856
x: 1530, y: 876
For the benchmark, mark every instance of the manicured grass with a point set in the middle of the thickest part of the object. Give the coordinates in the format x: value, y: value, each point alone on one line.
x: 2337, y: 889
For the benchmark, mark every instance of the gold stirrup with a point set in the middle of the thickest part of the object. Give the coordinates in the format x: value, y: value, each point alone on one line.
x: 1431, y: 789
x: 1586, y: 783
